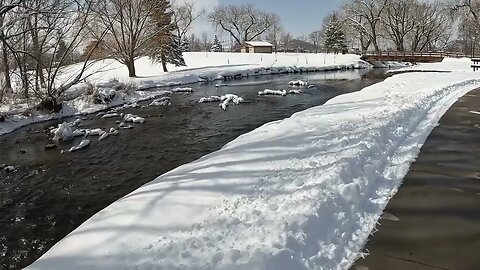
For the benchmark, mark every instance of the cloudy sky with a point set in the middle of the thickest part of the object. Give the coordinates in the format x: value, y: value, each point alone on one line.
x: 298, y: 16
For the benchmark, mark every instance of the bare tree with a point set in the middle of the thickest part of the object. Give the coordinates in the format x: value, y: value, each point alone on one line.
x: 205, y: 42
x: 399, y: 21
x: 316, y: 39
x: 242, y: 23
x: 274, y: 33
x: 129, y: 29
x: 286, y: 42
x: 472, y: 7
x: 432, y: 29
x: 365, y: 17
x: 184, y: 14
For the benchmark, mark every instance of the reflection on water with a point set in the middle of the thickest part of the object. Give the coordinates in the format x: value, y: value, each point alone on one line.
x: 52, y: 193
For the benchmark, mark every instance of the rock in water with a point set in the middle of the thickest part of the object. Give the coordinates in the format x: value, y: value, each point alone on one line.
x: 50, y: 146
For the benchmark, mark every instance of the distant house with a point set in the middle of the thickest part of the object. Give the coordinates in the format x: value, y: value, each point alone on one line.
x: 257, y: 47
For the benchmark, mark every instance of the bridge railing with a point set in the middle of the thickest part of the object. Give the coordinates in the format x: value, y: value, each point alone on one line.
x: 413, y: 54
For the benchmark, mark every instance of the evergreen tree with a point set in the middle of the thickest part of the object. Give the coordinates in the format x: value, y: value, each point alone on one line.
x: 335, y: 40
x: 185, y: 45
x: 216, y: 46
x: 166, y: 46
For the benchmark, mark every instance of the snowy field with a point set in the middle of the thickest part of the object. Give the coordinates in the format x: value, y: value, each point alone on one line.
x: 110, y: 75
x: 300, y: 193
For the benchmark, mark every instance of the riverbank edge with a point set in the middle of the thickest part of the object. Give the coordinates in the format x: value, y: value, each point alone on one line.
x: 144, y: 92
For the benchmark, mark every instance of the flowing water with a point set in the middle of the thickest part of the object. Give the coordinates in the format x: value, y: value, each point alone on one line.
x: 52, y: 193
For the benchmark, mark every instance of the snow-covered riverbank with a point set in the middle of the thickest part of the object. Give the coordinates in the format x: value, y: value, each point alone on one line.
x: 201, y: 67
x: 300, y: 193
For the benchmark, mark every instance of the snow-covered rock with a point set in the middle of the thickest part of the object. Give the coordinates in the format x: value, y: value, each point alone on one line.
x: 110, y: 115
x: 64, y: 132
x: 297, y: 83
x: 210, y: 99
x: 113, y: 132
x: 273, y: 92
x: 78, y: 132
x: 133, y: 118
x: 295, y: 91
x: 81, y: 145
x: 103, y: 136
x: 94, y: 132
x: 163, y: 101
x: 182, y: 90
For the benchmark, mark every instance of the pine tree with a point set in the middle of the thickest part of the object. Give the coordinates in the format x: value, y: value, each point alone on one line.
x: 216, y: 46
x: 166, y: 46
x: 335, y: 40
x: 185, y: 45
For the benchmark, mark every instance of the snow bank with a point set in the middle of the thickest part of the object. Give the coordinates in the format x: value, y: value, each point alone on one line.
x: 447, y: 65
x: 300, y: 193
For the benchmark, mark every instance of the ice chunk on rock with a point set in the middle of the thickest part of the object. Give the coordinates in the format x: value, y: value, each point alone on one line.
x: 63, y: 132
x: 81, y: 145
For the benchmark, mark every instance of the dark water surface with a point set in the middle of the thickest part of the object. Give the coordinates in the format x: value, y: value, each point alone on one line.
x: 52, y: 193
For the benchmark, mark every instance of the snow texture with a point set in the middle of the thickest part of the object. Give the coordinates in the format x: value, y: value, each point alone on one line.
x: 300, y: 193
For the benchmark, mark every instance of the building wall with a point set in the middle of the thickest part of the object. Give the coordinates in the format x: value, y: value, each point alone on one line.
x: 250, y: 49
x: 263, y: 50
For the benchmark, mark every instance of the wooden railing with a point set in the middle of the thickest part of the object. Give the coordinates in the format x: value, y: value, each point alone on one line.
x: 412, y: 54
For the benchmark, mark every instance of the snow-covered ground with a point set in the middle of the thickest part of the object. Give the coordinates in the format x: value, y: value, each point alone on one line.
x: 300, y: 193
x: 447, y: 65
x: 200, y: 67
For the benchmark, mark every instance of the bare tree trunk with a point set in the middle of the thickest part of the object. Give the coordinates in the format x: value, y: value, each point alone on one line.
x: 164, y: 63
x: 6, y: 68
x: 131, y: 68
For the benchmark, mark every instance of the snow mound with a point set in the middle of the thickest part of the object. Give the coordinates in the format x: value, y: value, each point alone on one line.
x: 272, y: 92
x: 81, y: 145
x: 64, y: 132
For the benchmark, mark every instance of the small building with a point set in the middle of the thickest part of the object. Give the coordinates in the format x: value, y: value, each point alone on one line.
x: 257, y: 47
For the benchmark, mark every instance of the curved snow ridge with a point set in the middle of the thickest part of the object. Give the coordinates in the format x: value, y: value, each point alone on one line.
x: 300, y: 193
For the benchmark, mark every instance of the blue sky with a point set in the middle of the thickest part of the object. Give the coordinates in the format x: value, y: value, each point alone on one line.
x: 298, y: 16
